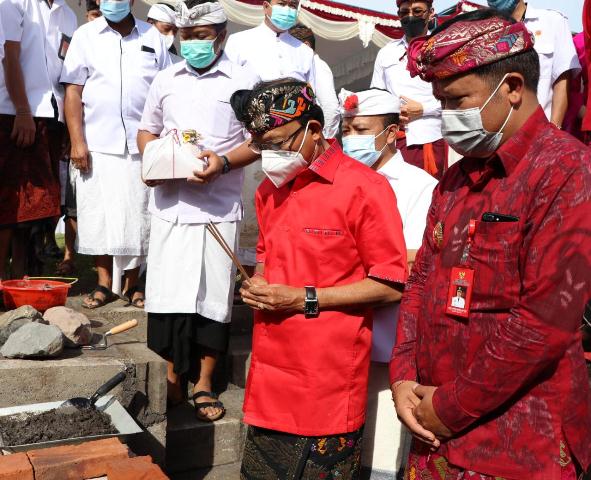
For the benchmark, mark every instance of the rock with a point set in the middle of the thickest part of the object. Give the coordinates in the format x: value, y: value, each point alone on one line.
x: 34, y: 340
x: 11, y: 321
x: 74, y: 325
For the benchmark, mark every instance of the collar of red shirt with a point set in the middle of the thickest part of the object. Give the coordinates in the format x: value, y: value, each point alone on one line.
x: 509, y: 154
x: 326, y: 164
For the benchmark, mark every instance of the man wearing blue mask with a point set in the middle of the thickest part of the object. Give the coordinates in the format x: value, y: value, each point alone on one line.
x: 558, y: 58
x: 190, y: 278
x: 273, y: 53
x: 108, y: 69
x: 370, y: 127
x: 488, y: 371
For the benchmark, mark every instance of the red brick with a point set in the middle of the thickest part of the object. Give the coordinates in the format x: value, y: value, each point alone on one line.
x: 75, y: 462
x: 15, y: 467
x: 138, y: 468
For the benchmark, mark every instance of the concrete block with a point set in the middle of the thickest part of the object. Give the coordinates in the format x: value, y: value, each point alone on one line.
x: 238, y: 359
x: 193, y: 444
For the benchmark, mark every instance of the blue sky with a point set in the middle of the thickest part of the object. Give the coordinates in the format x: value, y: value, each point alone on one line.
x: 571, y: 8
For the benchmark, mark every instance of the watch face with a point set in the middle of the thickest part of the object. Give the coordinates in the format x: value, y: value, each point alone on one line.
x: 311, y: 307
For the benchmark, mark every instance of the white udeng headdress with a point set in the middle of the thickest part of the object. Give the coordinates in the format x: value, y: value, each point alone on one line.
x: 162, y: 13
x: 368, y: 102
x: 211, y: 13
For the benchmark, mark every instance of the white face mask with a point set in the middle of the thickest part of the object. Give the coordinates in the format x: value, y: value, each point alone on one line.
x: 282, y: 166
x: 168, y: 40
x: 464, y: 132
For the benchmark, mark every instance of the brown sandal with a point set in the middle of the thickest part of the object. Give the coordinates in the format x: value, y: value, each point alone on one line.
x: 139, y: 302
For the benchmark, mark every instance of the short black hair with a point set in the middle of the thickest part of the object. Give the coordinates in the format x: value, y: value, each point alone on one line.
x: 526, y: 63
x: 191, y: 3
x: 303, y: 34
x: 391, y: 119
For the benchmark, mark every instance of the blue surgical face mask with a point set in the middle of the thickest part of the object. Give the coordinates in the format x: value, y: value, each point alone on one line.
x: 507, y: 6
x: 284, y: 17
x: 363, y: 147
x: 199, y: 53
x: 115, y: 11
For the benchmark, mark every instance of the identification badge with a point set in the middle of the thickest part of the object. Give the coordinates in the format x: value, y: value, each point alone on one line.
x: 461, y: 282
x: 64, y: 45
x: 460, y: 292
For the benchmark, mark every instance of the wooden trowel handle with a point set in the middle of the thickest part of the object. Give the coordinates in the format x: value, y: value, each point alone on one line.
x: 123, y: 327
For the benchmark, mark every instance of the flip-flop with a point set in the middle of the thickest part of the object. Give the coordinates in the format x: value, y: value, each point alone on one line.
x: 198, y: 406
x: 128, y: 295
x: 109, y: 297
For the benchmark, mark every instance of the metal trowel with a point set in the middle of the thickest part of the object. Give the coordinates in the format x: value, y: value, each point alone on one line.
x: 81, y: 403
x: 103, y: 344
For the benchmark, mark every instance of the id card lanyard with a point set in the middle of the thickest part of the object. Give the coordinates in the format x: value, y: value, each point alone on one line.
x: 461, y: 281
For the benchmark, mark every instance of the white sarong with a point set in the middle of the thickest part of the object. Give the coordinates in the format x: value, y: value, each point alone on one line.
x: 112, y: 204
x: 188, y: 272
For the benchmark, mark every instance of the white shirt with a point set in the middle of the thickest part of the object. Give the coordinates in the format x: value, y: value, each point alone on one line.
x: 555, y: 47
x: 458, y: 302
x: 390, y: 73
x: 40, y: 30
x: 275, y: 55
x: 1, y: 42
x: 175, y: 97
x: 330, y: 103
x: 413, y: 188
x: 116, y: 73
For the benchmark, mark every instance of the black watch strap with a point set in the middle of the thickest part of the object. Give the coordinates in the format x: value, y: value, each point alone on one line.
x: 311, y: 308
x: 227, y: 165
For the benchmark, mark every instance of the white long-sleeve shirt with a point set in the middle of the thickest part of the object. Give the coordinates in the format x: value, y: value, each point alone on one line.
x: 390, y: 73
x: 325, y: 90
x: 555, y: 48
x: 273, y: 55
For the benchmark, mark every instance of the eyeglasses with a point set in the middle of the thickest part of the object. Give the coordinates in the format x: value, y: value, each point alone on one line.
x: 415, y: 12
x: 259, y: 147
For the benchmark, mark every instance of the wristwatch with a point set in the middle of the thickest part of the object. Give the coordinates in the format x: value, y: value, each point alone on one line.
x: 311, y: 303
x: 227, y: 165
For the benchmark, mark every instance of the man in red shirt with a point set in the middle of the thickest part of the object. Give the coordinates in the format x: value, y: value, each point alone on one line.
x: 330, y: 248
x: 503, y: 387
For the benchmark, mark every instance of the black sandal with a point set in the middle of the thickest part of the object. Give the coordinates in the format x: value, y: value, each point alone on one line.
x: 100, y: 302
x: 128, y: 295
x: 198, y: 406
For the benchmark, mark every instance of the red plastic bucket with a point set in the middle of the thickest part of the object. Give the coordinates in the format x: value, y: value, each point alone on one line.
x: 39, y: 292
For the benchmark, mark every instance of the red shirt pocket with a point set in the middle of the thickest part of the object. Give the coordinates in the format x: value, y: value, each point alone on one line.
x: 494, y: 256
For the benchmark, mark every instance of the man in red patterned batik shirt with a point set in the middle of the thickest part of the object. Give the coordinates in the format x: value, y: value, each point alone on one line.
x: 503, y: 389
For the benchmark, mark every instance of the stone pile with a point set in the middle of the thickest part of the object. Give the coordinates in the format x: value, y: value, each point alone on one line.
x: 25, y: 333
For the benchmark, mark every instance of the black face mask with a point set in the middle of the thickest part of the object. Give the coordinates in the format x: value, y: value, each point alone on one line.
x: 413, y: 26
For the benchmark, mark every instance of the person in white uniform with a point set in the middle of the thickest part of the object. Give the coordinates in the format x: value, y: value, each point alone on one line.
x: 420, y: 140
x: 558, y: 57
x: 190, y: 279
x: 370, y: 126
x: 324, y: 82
x: 36, y: 37
x: 272, y: 53
x: 161, y: 15
x: 108, y: 70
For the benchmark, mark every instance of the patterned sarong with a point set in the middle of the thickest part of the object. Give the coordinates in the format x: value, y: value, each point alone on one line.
x: 271, y: 455
x: 424, y: 466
